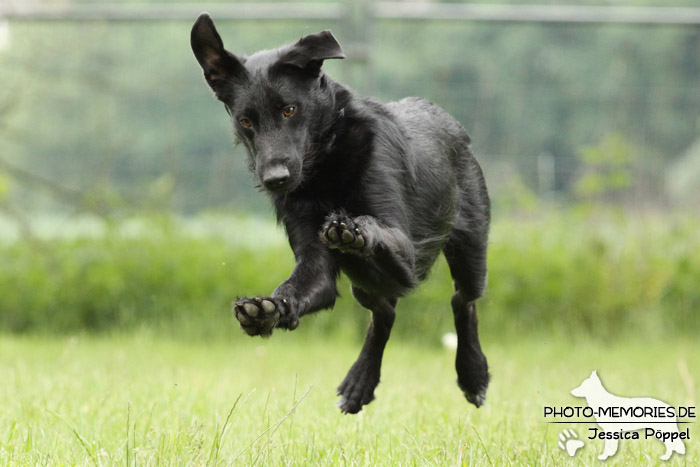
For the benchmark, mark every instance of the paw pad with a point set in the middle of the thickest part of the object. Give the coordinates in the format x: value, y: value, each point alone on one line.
x: 257, y: 316
x: 343, y: 235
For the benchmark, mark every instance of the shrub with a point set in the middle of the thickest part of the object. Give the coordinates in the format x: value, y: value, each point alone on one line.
x: 565, y: 273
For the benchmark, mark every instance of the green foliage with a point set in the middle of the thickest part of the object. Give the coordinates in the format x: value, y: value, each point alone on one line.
x: 591, y: 275
x: 122, y: 281
x: 4, y: 185
x: 606, y: 168
x: 597, y: 276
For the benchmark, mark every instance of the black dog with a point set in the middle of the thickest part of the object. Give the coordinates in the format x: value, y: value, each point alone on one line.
x: 373, y: 190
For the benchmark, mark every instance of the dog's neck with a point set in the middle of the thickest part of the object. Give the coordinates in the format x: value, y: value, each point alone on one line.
x: 345, y: 117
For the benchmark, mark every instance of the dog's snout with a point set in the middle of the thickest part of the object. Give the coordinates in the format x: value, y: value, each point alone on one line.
x: 275, y: 177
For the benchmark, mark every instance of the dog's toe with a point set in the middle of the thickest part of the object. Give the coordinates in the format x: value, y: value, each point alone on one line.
x: 359, y: 240
x: 331, y: 233
x: 353, y: 403
x: 347, y: 406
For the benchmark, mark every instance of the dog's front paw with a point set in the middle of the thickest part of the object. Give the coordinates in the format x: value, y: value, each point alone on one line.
x: 260, y: 315
x: 341, y: 233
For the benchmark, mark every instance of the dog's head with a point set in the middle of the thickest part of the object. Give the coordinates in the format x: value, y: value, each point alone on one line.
x: 588, y: 387
x: 279, y: 100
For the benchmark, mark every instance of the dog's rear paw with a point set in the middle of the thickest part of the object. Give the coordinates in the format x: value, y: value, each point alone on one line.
x: 474, y: 388
x: 258, y: 316
x: 357, y: 389
x: 341, y: 233
x: 477, y: 398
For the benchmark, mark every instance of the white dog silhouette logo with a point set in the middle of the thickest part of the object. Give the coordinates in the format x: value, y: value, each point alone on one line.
x: 618, y: 415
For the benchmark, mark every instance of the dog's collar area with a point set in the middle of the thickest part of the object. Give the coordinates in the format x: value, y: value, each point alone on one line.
x: 332, y: 138
x: 331, y: 141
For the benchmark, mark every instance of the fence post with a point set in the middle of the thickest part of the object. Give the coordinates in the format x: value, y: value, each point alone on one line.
x: 358, y: 29
x: 4, y: 33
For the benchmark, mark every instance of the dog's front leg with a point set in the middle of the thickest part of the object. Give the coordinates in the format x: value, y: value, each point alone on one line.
x: 386, y: 249
x: 310, y: 287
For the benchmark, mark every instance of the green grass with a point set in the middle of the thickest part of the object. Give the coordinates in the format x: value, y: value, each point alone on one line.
x: 144, y: 400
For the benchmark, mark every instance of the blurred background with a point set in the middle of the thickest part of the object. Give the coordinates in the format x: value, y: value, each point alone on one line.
x: 124, y: 203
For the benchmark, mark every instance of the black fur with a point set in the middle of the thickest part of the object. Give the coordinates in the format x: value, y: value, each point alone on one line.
x: 373, y: 190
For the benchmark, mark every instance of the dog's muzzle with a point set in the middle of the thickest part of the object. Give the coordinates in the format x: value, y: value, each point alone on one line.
x: 275, y: 177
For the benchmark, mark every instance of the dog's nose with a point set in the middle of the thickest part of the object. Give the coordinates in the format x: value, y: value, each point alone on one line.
x: 275, y: 177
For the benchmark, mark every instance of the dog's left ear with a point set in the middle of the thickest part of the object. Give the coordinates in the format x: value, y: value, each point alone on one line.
x: 220, y: 66
x: 310, y: 51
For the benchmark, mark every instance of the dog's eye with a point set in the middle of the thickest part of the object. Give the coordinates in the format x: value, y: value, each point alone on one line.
x: 246, y: 122
x: 289, y: 110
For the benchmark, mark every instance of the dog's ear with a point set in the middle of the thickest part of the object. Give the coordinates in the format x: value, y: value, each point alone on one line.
x: 220, y: 66
x: 310, y: 51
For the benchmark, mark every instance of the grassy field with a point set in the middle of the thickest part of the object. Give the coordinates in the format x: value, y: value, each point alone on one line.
x: 144, y: 400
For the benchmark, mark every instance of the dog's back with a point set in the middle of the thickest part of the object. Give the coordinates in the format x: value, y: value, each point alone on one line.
x: 440, y: 181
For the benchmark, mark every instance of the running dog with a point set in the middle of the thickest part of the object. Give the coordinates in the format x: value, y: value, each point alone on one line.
x: 373, y: 190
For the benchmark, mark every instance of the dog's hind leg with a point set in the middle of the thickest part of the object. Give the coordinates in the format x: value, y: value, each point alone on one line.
x: 465, y: 252
x: 357, y: 389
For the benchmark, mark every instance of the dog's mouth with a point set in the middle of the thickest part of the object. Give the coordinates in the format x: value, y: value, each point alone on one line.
x: 281, y: 187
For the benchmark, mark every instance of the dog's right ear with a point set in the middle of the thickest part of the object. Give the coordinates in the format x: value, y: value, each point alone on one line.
x: 309, y: 52
x: 221, y: 67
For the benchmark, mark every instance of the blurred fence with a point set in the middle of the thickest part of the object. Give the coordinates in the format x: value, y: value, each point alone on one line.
x: 103, y: 107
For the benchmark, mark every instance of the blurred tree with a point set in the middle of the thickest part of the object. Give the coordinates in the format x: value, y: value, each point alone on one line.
x: 122, y: 105
x: 606, y: 169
